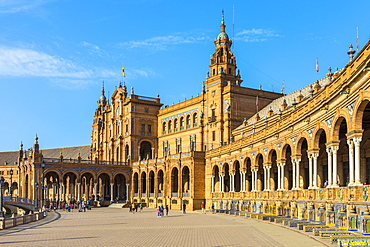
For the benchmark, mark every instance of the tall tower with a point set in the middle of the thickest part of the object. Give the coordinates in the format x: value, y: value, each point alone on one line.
x: 222, y: 77
x: 125, y: 129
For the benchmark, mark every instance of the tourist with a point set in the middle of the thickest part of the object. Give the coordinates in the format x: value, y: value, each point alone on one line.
x: 184, y: 208
x: 159, y: 212
x: 213, y: 209
x: 166, y: 210
x: 141, y: 207
x: 203, y: 208
x: 161, y: 209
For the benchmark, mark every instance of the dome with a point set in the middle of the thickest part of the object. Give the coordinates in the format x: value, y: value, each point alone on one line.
x: 223, y: 36
x: 102, y: 98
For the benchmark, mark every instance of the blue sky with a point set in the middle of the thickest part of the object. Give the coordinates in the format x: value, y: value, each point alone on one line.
x: 54, y: 55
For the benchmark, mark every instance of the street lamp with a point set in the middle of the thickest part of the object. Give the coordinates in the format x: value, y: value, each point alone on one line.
x: 1, y: 197
x: 11, y: 184
x: 43, y: 186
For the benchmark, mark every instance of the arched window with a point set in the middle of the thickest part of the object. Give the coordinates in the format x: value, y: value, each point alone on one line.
x: 164, y: 128
x: 118, y: 111
x: 195, y: 119
x: 188, y: 121
x: 182, y: 123
x: 169, y: 126
x: 176, y: 124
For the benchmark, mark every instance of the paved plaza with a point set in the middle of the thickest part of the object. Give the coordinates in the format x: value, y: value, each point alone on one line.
x: 119, y: 227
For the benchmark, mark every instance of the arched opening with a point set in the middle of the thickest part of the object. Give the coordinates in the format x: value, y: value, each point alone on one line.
x: 274, y: 176
x: 174, y: 182
x: 143, y: 184
x: 136, y: 184
x: 322, y: 161
x: 151, y: 183
x: 145, y: 150
x: 237, y: 185
x: 127, y: 152
x: 304, y: 165
x: 248, y: 174
x: 288, y: 168
x: 186, y: 181
x: 343, y: 154
x: 119, y: 188
x: 87, y: 184
x: 216, y: 179
x: 260, y: 173
x: 226, y: 178
x: 104, y: 187
x: 160, y: 183
x: 195, y: 120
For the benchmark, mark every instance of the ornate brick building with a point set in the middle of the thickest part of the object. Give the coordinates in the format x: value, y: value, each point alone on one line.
x: 304, y: 154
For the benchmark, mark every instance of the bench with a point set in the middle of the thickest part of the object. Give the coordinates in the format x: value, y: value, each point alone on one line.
x: 347, y: 239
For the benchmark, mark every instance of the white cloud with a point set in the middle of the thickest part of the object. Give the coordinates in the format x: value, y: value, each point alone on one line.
x: 256, y: 35
x: 26, y: 62
x: 161, y: 42
x: 15, y: 6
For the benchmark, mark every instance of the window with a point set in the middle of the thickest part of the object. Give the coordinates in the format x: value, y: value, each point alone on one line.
x: 213, y: 135
x: 188, y: 121
x: 176, y: 123
x: 195, y: 119
x: 146, y: 110
x: 182, y: 123
x: 164, y: 128
x: 126, y: 127
x: 118, y: 111
x: 149, y: 128
x: 169, y: 126
x: 143, y: 128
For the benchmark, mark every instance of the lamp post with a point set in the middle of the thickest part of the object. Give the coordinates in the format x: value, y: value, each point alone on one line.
x: 43, y: 186
x: 11, y: 184
x: 1, y: 197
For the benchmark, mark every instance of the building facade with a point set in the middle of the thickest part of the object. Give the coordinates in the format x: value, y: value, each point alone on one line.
x: 304, y: 155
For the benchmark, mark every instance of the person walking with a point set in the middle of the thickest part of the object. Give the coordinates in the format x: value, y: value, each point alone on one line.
x: 184, y: 208
x: 203, y: 208
x: 166, y: 210
x: 141, y: 207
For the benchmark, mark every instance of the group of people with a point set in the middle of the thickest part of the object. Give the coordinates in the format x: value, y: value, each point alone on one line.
x: 134, y: 206
x: 81, y: 206
x: 160, y: 211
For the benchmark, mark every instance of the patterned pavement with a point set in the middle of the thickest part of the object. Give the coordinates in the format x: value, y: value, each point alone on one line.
x: 118, y: 227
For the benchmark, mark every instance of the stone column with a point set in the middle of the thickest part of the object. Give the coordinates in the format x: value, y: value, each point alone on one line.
x: 297, y: 174
x: 220, y: 179
x: 264, y: 179
x: 294, y: 175
x: 279, y: 177
x: 213, y: 184
x: 282, y: 165
x: 78, y: 191
x: 350, y: 162
x: 241, y: 182
x: 222, y: 183
x: 232, y: 187
x: 252, y: 185
x: 256, y: 179
x: 357, y: 142
x: 127, y: 185
x: 95, y: 190
x: 314, y: 180
x: 334, y: 150
x: 111, y: 192
x: 310, y: 172
x: 268, y: 170
x: 60, y: 191
x: 330, y: 172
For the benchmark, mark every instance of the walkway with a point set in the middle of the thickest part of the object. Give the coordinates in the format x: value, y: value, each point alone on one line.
x: 118, y: 227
